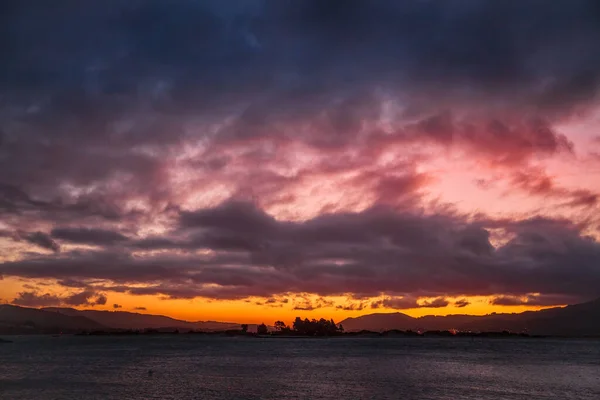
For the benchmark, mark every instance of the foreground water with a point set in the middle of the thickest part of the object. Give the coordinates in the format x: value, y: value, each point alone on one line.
x: 194, y: 367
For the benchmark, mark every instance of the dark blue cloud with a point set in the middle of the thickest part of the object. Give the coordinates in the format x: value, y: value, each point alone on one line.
x: 207, y: 52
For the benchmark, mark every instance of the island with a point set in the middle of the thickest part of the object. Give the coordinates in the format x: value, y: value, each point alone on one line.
x: 305, y: 328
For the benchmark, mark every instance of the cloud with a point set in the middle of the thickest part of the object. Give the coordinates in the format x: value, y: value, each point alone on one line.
x: 351, y: 307
x: 261, y: 148
x: 379, y: 250
x: 85, y: 298
x: 510, y: 141
x: 533, y: 300
x: 408, y: 302
x: 398, y: 303
x: 305, y: 304
x: 140, y: 308
x: 273, y: 302
x: 537, y: 183
x: 72, y: 283
x: 101, y: 300
x: 106, y: 140
x: 461, y: 303
x: 240, y: 216
x: 88, y: 236
x: 35, y: 299
x: 439, y: 302
x: 42, y: 240
x: 16, y: 204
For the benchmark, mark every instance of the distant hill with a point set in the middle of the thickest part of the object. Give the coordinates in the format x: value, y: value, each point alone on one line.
x: 22, y: 320
x: 379, y: 322
x: 574, y: 320
x: 125, y: 320
x: 16, y: 319
x: 130, y: 320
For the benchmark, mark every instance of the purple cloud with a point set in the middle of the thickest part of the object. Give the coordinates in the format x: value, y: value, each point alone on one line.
x: 373, y: 252
x: 251, y: 151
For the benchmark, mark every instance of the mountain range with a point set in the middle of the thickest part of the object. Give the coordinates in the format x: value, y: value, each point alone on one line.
x: 574, y: 320
x: 130, y: 320
x: 22, y: 320
x: 17, y: 320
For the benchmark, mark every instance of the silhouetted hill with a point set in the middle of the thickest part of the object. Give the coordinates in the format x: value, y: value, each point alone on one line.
x: 574, y: 320
x: 22, y: 320
x: 129, y: 320
x: 379, y: 322
x: 126, y: 320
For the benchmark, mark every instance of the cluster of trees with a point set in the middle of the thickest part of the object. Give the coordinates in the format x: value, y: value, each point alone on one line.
x: 304, y: 327
x: 313, y: 327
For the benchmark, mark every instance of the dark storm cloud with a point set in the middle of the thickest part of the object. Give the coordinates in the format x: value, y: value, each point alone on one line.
x: 88, y: 236
x: 493, y: 46
x: 42, y: 239
x: 72, y: 283
x: 379, y: 251
x: 18, y: 208
x: 233, y: 216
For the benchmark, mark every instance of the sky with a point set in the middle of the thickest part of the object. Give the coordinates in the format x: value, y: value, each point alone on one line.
x: 259, y: 160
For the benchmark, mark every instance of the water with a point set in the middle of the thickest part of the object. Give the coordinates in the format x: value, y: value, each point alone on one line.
x: 195, y: 367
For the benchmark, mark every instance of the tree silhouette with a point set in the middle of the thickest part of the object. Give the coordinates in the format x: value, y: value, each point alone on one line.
x: 280, y: 326
x: 298, y: 325
x: 244, y: 328
x: 322, y: 327
x: 262, y: 329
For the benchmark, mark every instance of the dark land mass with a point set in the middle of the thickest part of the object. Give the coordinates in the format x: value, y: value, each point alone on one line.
x: 22, y: 320
x: 579, y: 320
x: 574, y: 320
x: 293, y: 335
x: 131, y: 320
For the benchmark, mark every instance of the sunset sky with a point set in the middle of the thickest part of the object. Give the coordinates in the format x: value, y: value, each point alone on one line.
x: 257, y: 160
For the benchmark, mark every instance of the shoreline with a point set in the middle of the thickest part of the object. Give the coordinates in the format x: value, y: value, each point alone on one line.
x: 370, y: 335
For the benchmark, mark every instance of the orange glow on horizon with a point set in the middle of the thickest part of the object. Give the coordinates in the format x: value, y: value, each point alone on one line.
x: 246, y: 311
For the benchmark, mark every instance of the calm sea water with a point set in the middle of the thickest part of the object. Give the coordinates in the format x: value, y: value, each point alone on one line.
x: 194, y: 367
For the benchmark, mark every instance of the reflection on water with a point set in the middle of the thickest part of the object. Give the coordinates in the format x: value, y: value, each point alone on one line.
x: 193, y: 367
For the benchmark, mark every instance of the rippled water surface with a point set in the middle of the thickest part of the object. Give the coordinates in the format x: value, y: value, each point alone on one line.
x: 194, y: 367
